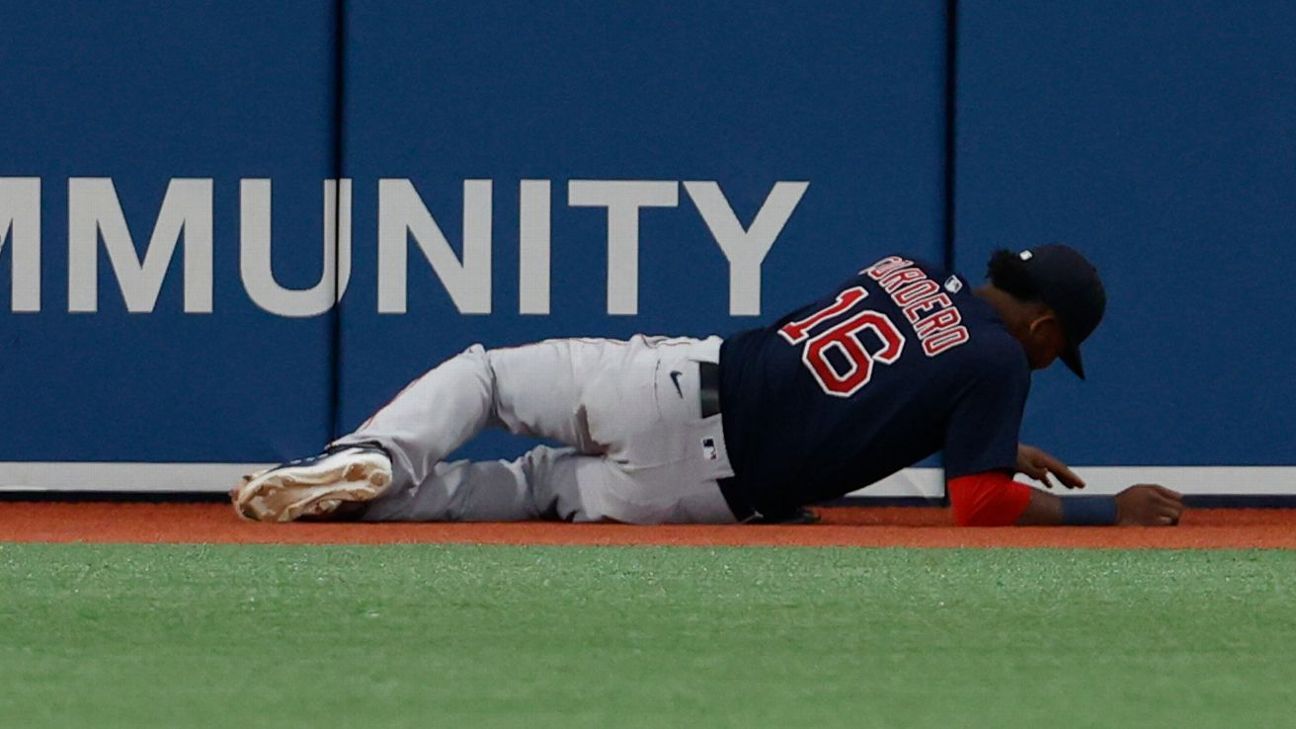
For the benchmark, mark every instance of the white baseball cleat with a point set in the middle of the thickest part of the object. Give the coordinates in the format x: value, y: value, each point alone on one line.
x: 315, y: 486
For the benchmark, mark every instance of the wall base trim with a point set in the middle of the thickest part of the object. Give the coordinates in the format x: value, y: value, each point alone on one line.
x: 911, y: 483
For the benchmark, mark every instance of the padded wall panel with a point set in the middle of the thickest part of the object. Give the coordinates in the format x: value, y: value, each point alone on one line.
x: 144, y: 95
x: 1158, y: 138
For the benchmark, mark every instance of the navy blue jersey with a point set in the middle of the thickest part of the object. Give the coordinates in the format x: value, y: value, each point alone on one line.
x: 898, y: 363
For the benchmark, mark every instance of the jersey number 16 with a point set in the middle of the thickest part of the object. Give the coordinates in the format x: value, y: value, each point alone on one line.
x: 845, y: 338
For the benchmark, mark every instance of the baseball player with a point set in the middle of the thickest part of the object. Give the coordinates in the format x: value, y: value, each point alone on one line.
x: 900, y: 361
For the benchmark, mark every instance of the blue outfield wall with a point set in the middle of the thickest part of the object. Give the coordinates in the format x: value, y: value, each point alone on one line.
x: 1160, y: 138
x: 115, y: 109
x: 513, y: 174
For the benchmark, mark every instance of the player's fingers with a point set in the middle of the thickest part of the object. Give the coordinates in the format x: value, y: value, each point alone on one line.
x: 1168, y: 507
x: 1063, y: 472
x: 1161, y: 490
x: 1162, y: 501
x: 1169, y: 512
x: 1033, y: 471
x: 1041, y: 475
x: 1069, y: 477
x: 1168, y: 493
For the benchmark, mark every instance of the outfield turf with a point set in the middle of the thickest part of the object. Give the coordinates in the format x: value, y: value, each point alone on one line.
x: 462, y: 636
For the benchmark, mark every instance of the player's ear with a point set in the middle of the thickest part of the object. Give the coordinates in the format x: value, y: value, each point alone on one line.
x: 1040, y: 321
x: 1046, y: 328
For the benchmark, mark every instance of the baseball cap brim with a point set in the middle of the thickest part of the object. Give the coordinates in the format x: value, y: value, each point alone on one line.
x: 1071, y: 358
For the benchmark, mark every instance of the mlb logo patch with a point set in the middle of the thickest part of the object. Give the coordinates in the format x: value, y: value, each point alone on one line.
x: 709, y: 450
x: 953, y: 284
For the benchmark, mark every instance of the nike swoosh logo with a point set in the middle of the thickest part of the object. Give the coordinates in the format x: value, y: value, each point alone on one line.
x: 675, y: 375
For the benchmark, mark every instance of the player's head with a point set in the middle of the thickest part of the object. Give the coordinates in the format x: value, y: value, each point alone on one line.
x: 1060, y: 301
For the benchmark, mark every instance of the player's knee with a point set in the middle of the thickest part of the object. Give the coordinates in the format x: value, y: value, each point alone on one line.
x: 552, y: 482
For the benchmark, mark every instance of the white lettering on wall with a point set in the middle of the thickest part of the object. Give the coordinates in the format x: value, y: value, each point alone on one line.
x: 94, y: 212
x: 623, y: 200
x: 533, y: 247
x: 20, y: 223
x: 255, y: 258
x: 401, y: 214
x: 185, y: 218
x: 745, y: 249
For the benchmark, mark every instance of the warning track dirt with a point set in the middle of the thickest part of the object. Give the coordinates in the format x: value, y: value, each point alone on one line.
x: 114, y: 522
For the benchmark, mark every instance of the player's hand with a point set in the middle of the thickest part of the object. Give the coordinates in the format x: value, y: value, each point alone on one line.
x: 1148, y: 505
x: 1038, y: 465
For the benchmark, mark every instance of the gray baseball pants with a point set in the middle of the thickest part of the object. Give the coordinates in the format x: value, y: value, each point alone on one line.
x: 637, y: 449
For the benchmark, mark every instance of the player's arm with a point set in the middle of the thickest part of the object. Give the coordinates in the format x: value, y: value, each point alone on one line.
x: 993, y: 498
x: 982, y: 452
x: 1142, y: 504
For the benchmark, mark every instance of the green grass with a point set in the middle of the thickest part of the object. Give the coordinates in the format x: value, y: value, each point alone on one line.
x: 455, y: 636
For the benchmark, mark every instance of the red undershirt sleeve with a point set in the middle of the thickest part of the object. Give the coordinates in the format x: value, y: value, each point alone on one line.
x: 989, y: 498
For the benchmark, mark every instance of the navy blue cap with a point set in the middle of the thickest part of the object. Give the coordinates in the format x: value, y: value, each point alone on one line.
x: 1068, y: 283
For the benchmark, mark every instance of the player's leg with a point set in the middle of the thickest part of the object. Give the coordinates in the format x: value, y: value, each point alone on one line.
x: 599, y: 396
x: 429, y: 418
x: 546, y: 389
x: 581, y: 392
x: 553, y: 483
x: 650, y: 454
x: 545, y: 483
